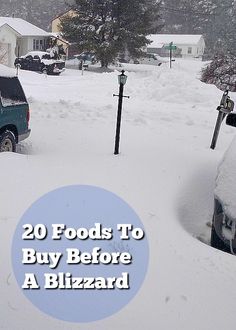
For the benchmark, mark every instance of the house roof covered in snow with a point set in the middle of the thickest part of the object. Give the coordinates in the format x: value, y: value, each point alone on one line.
x: 22, y: 27
x: 58, y: 35
x: 159, y: 40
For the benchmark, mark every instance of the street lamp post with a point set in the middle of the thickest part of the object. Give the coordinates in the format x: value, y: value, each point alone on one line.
x: 122, y: 78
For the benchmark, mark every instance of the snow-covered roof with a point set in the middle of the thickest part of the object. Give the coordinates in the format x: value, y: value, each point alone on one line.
x: 177, y: 39
x: 38, y: 53
x: 58, y: 36
x: 158, y: 45
x: 23, y: 27
x: 61, y: 14
x: 6, y: 71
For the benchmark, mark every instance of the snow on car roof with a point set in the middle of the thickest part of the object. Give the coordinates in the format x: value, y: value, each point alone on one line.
x: 37, y: 53
x: 225, y: 190
x: 178, y: 39
x: 23, y: 27
x: 6, y: 71
x: 40, y: 54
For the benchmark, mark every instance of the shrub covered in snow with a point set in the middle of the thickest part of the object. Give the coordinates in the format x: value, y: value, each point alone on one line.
x: 221, y: 72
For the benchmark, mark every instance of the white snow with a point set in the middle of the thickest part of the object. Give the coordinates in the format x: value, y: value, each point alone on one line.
x: 166, y: 172
x: 40, y: 54
x: 179, y: 39
x: 225, y: 183
x: 23, y: 27
x: 49, y: 62
x: 6, y: 71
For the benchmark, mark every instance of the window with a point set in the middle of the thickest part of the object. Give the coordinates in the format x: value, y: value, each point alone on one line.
x: 46, y: 57
x: 29, y: 58
x: 36, y: 58
x: 11, y: 92
x: 41, y: 43
x: 38, y: 44
x: 189, y: 50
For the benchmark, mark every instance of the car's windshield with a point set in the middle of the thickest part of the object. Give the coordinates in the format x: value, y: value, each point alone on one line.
x: 46, y: 57
x: 11, y: 92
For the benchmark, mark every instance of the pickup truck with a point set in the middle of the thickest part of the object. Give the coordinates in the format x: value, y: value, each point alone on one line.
x: 40, y: 62
x: 14, y: 111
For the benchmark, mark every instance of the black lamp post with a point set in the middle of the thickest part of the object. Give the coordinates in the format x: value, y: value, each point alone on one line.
x: 122, y: 78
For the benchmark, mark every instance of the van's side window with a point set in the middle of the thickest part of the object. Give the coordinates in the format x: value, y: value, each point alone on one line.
x: 11, y: 92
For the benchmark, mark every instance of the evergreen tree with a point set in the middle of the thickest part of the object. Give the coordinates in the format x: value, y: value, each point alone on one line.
x: 215, y: 19
x: 108, y: 27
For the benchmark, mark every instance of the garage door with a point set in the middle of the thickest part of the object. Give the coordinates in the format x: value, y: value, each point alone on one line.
x: 4, y: 53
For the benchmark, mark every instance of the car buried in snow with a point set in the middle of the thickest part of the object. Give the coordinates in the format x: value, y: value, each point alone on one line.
x: 41, y: 62
x: 151, y: 59
x: 223, y: 233
x: 14, y: 111
x: 85, y: 59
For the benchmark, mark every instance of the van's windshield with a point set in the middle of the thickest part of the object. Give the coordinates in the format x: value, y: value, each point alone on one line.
x: 11, y: 92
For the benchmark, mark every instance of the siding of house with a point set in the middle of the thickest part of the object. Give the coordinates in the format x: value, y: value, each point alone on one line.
x: 193, y: 50
x: 55, y: 25
x: 22, y: 43
x: 57, y: 21
x: 70, y: 50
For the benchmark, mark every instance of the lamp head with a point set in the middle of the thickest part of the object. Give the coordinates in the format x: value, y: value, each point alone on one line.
x: 122, y: 78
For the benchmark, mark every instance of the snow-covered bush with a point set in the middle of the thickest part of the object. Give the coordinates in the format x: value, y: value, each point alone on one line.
x: 221, y: 72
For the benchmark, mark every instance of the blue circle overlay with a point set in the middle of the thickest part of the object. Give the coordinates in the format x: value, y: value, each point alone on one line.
x: 77, y: 207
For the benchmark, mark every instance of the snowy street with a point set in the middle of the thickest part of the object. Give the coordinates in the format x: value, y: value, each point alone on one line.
x: 166, y: 172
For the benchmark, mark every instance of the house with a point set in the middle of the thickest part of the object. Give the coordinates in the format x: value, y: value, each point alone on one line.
x: 70, y: 49
x: 61, y: 43
x: 57, y: 20
x: 188, y: 45
x: 18, y: 37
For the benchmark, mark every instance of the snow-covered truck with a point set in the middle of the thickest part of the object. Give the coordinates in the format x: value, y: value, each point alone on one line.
x: 223, y: 235
x: 41, y: 62
x: 14, y: 111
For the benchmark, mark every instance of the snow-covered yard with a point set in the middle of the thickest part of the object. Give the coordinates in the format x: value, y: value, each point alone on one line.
x: 165, y: 171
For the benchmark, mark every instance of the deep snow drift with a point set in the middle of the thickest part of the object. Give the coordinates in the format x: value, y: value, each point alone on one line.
x: 165, y: 171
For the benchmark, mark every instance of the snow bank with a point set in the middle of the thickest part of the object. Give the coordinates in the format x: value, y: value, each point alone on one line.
x: 165, y: 165
x: 6, y: 71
